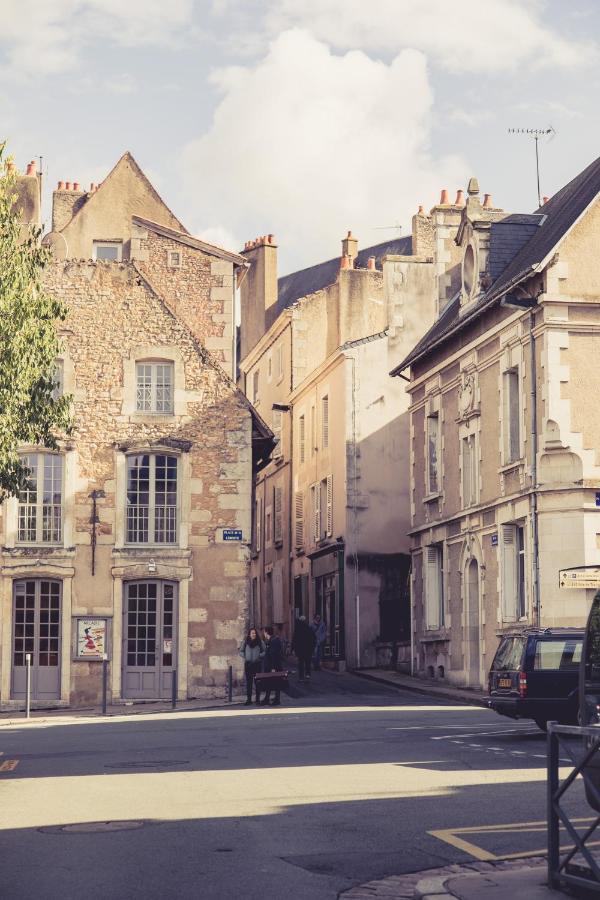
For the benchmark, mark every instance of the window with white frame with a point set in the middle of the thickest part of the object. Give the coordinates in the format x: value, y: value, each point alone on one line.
x: 511, y: 415
x: 470, y: 474
x: 432, y: 453
x: 174, y: 259
x: 151, y: 498
x: 435, y: 607
x: 278, y: 515
x: 315, y: 494
x: 325, y: 422
x: 40, y: 503
x: 154, y: 387
x: 277, y: 425
x: 514, y: 596
x: 107, y: 251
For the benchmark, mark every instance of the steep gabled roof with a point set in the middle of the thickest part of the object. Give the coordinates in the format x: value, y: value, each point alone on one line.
x: 127, y: 157
x: 557, y: 217
x: 308, y: 281
x: 189, y: 241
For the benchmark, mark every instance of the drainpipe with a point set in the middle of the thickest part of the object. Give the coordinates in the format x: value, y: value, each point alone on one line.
x: 534, y: 479
x: 355, y: 530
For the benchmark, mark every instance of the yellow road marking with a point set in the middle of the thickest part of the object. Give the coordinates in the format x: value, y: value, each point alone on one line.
x: 9, y: 765
x: 452, y: 836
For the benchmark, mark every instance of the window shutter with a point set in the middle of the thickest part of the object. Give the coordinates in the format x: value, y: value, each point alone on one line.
x: 316, y: 491
x: 325, y: 422
x: 329, y: 505
x: 277, y: 428
x: 432, y: 581
x: 299, y: 520
x: 302, y: 439
x: 258, y: 525
x: 278, y: 515
x: 509, y: 574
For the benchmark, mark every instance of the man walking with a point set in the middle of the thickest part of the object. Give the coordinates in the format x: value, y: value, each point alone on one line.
x: 273, y: 662
x: 319, y: 629
x: 303, y: 645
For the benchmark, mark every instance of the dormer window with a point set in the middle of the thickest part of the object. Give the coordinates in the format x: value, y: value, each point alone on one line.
x: 107, y: 251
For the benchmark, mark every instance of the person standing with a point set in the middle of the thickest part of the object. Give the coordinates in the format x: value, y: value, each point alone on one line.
x: 252, y: 652
x: 273, y: 662
x: 320, y: 631
x: 303, y: 645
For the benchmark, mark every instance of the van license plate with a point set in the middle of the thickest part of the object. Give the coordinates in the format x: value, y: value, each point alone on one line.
x: 505, y: 682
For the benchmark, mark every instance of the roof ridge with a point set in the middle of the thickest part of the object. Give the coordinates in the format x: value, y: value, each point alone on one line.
x: 189, y: 239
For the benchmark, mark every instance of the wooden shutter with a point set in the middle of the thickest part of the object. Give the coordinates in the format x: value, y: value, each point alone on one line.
x: 278, y: 515
x: 509, y: 574
x: 316, y: 492
x: 277, y: 422
x: 302, y: 439
x: 299, y: 519
x: 258, y: 530
x: 329, y: 505
x: 432, y: 584
x: 325, y: 421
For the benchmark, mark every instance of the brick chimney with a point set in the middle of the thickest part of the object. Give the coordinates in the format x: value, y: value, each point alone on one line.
x: 447, y: 257
x: 422, y: 235
x: 350, y: 248
x: 258, y: 291
x: 67, y: 199
x: 29, y: 196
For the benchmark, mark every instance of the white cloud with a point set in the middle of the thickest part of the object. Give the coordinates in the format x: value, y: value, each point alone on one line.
x: 39, y: 38
x: 464, y: 35
x: 307, y: 144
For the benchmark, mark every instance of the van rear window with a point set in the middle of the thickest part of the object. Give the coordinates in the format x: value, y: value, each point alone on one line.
x: 558, y: 655
x: 508, y: 655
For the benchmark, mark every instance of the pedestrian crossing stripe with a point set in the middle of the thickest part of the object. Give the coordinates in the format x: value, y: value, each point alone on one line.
x: 453, y: 837
x: 9, y: 765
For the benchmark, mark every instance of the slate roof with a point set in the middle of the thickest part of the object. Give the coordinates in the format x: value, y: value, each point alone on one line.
x: 307, y: 281
x: 506, y: 239
x: 558, y: 215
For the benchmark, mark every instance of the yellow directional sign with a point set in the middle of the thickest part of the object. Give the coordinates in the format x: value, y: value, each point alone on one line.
x: 585, y: 577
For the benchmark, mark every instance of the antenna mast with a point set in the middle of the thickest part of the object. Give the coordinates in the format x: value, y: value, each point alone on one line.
x: 536, y: 134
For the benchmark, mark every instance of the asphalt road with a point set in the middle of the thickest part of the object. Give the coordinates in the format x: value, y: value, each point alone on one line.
x: 350, y: 782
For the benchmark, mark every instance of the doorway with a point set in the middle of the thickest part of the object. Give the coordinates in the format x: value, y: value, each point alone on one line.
x: 36, y: 631
x: 473, y: 642
x: 149, y: 639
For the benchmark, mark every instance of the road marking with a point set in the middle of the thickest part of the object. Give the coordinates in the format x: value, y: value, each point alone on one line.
x: 9, y: 765
x: 444, y: 737
x: 452, y: 836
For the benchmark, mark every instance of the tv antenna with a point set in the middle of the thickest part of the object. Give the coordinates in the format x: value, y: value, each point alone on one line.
x: 536, y: 134
x: 397, y: 226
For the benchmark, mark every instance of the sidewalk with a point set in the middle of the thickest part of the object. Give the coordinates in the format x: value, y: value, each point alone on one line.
x: 517, y: 879
x: 62, y: 715
x: 424, y: 686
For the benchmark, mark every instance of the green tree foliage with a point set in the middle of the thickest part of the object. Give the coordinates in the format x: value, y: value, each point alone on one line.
x: 29, y: 343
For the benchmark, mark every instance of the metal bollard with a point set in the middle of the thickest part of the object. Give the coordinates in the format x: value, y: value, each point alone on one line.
x: 104, y: 683
x: 173, y: 688
x: 230, y: 684
x: 27, y: 685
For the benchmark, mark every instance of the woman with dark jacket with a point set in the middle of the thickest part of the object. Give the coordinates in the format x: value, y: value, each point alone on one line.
x: 252, y: 652
x: 273, y: 662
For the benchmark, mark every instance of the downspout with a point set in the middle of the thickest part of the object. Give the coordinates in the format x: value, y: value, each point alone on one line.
x: 355, y: 529
x: 534, y: 478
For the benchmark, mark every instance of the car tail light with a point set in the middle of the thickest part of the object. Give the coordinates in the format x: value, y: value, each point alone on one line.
x: 522, y: 684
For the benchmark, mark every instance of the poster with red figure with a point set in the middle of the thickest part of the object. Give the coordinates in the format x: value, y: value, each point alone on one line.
x: 91, y: 638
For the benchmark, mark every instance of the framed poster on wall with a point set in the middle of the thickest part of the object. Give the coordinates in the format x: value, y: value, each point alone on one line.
x: 91, y: 637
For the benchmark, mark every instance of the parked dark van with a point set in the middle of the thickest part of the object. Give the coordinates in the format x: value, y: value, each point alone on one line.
x: 535, y: 675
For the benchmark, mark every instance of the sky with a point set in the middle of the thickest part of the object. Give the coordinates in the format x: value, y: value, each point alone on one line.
x: 303, y: 119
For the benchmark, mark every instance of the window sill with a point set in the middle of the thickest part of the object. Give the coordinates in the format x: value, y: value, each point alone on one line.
x: 508, y: 467
x: 435, y: 636
x: 429, y: 498
x: 155, y: 418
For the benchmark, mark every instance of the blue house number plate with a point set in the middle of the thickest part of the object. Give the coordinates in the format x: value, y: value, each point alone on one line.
x: 232, y: 534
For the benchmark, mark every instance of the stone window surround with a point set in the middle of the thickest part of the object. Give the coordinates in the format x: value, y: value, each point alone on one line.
x: 183, y: 498
x: 153, y: 353
x: 511, y: 360
x: 433, y: 408
x: 11, y: 505
x: 506, y: 615
x: 431, y: 623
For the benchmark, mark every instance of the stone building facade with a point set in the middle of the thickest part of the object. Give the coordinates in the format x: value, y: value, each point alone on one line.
x: 126, y: 527
x: 329, y: 507
x: 505, y: 475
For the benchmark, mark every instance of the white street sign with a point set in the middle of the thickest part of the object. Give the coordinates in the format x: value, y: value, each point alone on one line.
x: 581, y: 577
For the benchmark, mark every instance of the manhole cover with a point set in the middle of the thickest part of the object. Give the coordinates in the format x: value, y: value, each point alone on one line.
x: 88, y: 827
x: 148, y: 764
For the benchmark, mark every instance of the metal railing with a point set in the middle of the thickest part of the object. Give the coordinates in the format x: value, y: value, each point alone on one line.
x: 574, y: 865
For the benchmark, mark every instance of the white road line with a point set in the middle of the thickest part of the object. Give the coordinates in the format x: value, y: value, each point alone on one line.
x: 443, y: 737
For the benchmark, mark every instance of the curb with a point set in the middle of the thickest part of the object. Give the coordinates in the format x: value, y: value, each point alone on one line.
x: 423, y: 688
x: 428, y: 888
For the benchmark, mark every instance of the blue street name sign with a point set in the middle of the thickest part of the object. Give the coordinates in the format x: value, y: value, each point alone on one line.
x: 232, y: 534
x: 494, y: 540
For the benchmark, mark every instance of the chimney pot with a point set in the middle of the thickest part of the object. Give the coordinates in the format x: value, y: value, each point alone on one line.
x: 67, y: 185
x: 271, y: 238
x: 444, y: 198
x: 487, y: 201
x: 31, y: 168
x: 460, y: 198
x: 371, y: 263
x: 421, y: 211
x: 345, y: 264
x: 545, y: 200
x: 75, y: 185
x: 349, y: 234
x: 60, y: 186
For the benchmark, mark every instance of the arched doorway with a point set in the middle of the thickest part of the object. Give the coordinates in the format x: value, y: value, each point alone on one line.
x: 472, y: 623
